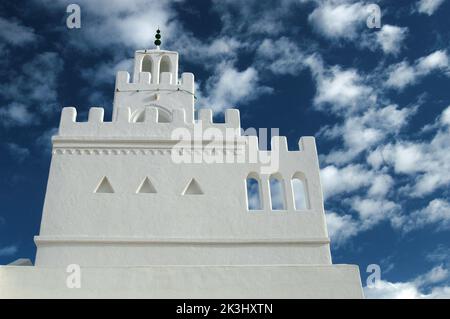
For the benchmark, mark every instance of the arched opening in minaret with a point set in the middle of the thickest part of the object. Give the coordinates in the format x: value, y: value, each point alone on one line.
x: 164, y: 116
x: 277, y: 198
x: 165, y: 65
x: 146, y: 65
x: 253, y: 187
x: 300, y: 193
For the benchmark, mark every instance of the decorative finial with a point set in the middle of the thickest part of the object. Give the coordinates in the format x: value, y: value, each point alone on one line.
x: 158, y: 37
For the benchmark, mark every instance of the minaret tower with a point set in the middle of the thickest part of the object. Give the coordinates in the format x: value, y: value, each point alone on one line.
x: 155, y: 83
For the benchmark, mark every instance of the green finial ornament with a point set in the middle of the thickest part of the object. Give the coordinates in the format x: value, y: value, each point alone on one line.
x: 158, y: 37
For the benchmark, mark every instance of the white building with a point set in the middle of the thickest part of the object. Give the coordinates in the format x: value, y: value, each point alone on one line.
x: 154, y: 204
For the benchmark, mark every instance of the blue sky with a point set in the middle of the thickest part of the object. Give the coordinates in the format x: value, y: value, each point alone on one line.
x: 377, y: 101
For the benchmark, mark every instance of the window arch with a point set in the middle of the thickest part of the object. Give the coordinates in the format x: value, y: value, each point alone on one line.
x: 300, y: 192
x: 253, y: 188
x: 165, y: 65
x: 277, y: 194
x: 164, y: 116
x: 146, y: 65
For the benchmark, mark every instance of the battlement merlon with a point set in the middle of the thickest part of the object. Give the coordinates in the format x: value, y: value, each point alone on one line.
x: 144, y: 126
x: 148, y: 128
x: 143, y: 81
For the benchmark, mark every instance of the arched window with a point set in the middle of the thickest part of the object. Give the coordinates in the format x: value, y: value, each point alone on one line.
x: 253, y: 192
x: 165, y: 65
x: 300, y: 192
x: 146, y: 65
x: 277, y: 197
x: 164, y: 116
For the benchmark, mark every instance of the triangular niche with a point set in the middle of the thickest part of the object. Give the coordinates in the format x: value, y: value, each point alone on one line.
x: 193, y: 188
x: 104, y: 187
x: 146, y: 187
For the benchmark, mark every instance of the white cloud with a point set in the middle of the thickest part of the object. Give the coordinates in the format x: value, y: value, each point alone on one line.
x: 115, y: 22
x: 400, y: 75
x: 16, y: 114
x: 340, y: 90
x: 32, y: 93
x: 390, y: 38
x: 373, y: 211
x: 343, y: 180
x: 434, y: 61
x: 19, y: 152
x: 405, y: 157
x: 445, y: 118
x: 281, y: 56
x: 14, y: 33
x: 44, y: 142
x: 437, y: 212
x: 253, y: 17
x: 381, y: 185
x: 8, y: 250
x: 388, y: 290
x: 230, y: 87
x: 341, y: 228
x: 338, y: 20
x: 414, y: 289
x: 403, y: 74
x: 105, y: 72
x: 425, y: 161
x: 428, y: 6
x: 361, y: 132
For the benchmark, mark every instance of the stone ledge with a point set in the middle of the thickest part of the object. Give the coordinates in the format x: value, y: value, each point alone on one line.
x: 250, y: 282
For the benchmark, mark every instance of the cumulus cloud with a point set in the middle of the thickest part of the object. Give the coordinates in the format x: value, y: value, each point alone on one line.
x: 414, y: 289
x: 16, y: 34
x: 403, y: 74
x: 341, y: 227
x: 343, y: 180
x: 363, y: 192
x: 16, y: 114
x: 280, y: 56
x: 424, y: 161
x: 390, y: 38
x: 372, y: 211
x: 428, y: 6
x: 229, y: 87
x: 361, y: 132
x: 8, y: 250
x: 130, y: 24
x: 255, y: 17
x: 19, y: 152
x: 336, y: 20
x: 437, y: 212
x: 33, y: 92
x: 341, y: 90
x: 346, y: 21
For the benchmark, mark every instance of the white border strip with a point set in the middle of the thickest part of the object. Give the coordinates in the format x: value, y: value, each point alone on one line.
x: 43, y: 240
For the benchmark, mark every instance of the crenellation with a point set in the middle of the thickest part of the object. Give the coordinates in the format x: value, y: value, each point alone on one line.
x: 166, y: 78
x: 144, y: 82
x: 145, y: 78
x: 96, y: 114
x: 205, y: 116
x: 187, y: 81
x: 279, y: 144
x: 232, y: 118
